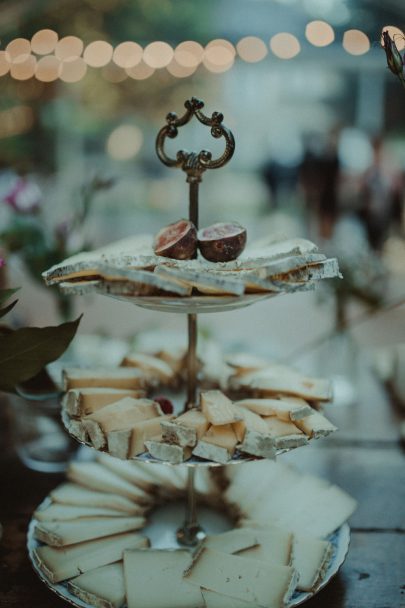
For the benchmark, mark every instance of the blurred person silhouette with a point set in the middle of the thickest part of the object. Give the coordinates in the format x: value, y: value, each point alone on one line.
x: 381, y: 196
x: 319, y: 178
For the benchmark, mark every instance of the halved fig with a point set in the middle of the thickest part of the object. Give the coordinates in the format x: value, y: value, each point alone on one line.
x: 177, y: 241
x: 222, y: 242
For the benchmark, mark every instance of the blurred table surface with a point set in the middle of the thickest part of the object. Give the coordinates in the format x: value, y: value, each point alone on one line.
x: 365, y: 458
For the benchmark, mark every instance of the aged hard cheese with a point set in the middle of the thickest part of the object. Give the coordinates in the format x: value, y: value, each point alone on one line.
x: 217, y: 408
x: 218, y: 444
x: 152, y: 365
x: 310, y: 558
x: 291, y: 408
x: 120, y: 377
x: 292, y: 383
x: 274, y: 546
x: 76, y: 495
x: 213, y: 599
x: 285, y: 434
x: 59, y: 564
x: 253, y: 434
x: 130, y: 471
x: 186, y: 429
x: 97, y: 477
x: 233, y: 541
x: 58, y: 512
x: 118, y: 416
x: 268, y: 586
x: 130, y: 442
x: 169, y: 452
x: 103, y: 587
x: 154, y: 579
x: 62, y: 533
x: 80, y: 402
x: 316, y: 425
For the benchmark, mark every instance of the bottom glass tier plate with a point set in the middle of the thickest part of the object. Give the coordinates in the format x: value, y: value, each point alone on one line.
x: 161, y: 531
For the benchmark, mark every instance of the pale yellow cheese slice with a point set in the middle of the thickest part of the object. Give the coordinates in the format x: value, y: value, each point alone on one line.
x: 185, y: 430
x: 80, y: 402
x: 274, y: 546
x: 102, y: 587
x: 310, y: 558
x: 217, y: 408
x: 153, y: 365
x: 233, y: 541
x: 77, y: 495
x: 59, y: 512
x: 130, y: 441
x: 119, y: 377
x: 59, y: 564
x: 285, y: 434
x: 218, y: 444
x: 286, y: 409
x: 316, y: 425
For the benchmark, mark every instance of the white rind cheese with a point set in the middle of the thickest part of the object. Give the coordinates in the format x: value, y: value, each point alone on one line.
x: 59, y: 564
x: 102, y: 588
x: 62, y: 533
x: 154, y: 579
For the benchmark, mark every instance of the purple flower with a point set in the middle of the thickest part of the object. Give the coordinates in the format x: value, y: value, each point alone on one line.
x: 24, y: 197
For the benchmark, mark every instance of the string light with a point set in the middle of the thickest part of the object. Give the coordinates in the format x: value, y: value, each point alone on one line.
x: 158, y: 54
x: 188, y: 54
x: 319, y: 33
x: 180, y: 71
x: 356, y: 42
x: 124, y: 142
x: 285, y: 45
x: 4, y: 63
x: 113, y: 73
x: 127, y: 54
x: 24, y: 68
x: 251, y: 49
x: 18, y: 49
x: 73, y: 70
x: 142, y: 71
x: 219, y: 56
x: 48, y: 69
x: 98, y: 53
x: 44, y: 42
x: 69, y: 47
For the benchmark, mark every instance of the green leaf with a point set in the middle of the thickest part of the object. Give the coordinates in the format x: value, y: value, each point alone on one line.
x: 6, y: 309
x: 5, y: 294
x: 24, y: 352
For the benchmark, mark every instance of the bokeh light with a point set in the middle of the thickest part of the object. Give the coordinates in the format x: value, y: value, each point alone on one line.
x: 48, y: 68
x: 319, y: 33
x: 113, y: 73
x: 18, y: 49
x: 356, y: 42
x: 158, y: 54
x: 124, y: 142
x: 396, y: 34
x: 44, y: 42
x: 219, y: 55
x: 142, y: 71
x: 24, y: 68
x: 69, y: 47
x: 98, y: 53
x: 180, y: 71
x: 251, y: 49
x: 127, y: 54
x: 285, y: 45
x: 73, y: 70
x: 4, y: 63
x: 188, y: 54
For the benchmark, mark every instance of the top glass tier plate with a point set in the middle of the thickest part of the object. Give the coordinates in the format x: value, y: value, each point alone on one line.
x: 194, y: 304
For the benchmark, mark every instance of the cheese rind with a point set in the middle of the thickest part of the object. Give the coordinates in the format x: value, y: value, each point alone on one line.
x: 62, y: 533
x: 218, y: 444
x: 316, y: 425
x: 217, y: 408
x: 241, y: 578
x: 154, y: 579
x: 185, y: 429
x: 130, y: 442
x: 259, y: 444
x: 102, y: 587
x: 310, y: 558
x: 285, y: 434
x: 59, y: 564
x: 169, y: 452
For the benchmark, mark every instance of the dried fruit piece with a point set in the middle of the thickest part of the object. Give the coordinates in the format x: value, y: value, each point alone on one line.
x: 178, y: 241
x: 222, y: 242
x: 165, y: 404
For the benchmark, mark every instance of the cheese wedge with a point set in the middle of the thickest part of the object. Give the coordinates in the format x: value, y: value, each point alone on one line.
x: 103, y: 587
x: 233, y: 541
x: 218, y: 444
x: 259, y: 444
x: 131, y: 471
x: 152, y: 365
x: 80, y: 402
x: 76, y: 495
x: 316, y: 425
x: 245, y: 362
x: 310, y: 558
x: 249, y: 422
x: 59, y: 564
x: 274, y: 546
x: 76, y: 429
x: 204, y: 281
x: 217, y: 408
x: 58, y: 512
x: 119, y: 377
x: 130, y: 442
x: 285, y: 434
x: 154, y: 579
x: 62, y: 533
x: 169, y: 452
x: 292, y: 384
x: 244, y: 579
x: 97, y: 477
x: 287, y: 408
x: 118, y: 416
x: 186, y: 429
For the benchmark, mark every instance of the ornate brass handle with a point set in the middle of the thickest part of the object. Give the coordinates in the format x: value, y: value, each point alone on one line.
x: 195, y: 163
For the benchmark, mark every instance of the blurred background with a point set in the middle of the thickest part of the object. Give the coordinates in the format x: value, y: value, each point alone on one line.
x: 319, y: 127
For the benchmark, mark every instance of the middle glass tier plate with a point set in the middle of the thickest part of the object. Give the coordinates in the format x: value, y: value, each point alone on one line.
x: 193, y: 304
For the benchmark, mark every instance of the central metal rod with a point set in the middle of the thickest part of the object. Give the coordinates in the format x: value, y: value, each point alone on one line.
x: 192, y: 362
x: 191, y: 533
x: 193, y: 203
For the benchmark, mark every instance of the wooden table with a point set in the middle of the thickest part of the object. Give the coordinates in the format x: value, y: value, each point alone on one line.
x: 365, y: 458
